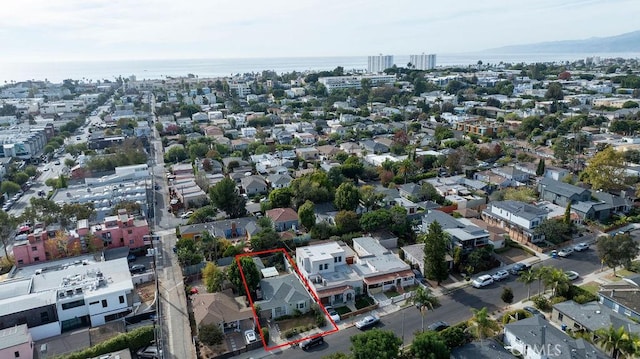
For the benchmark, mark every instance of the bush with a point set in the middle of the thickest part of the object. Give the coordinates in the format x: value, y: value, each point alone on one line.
x: 133, y: 340
x: 321, y: 321
x: 210, y: 334
x: 290, y: 333
x: 557, y: 299
x: 265, y: 334
x: 509, y: 317
x: 455, y: 336
x: 542, y: 303
x: 580, y: 295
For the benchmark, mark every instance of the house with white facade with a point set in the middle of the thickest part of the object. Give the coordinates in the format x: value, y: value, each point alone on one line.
x: 327, y: 269
x: 462, y: 232
x: 380, y: 268
x: 519, y: 218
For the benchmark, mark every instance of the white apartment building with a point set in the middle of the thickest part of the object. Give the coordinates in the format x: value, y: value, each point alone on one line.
x: 60, y: 296
x: 241, y: 88
x: 52, y: 108
x: 345, y: 82
x: 423, y: 61
x: 377, y: 64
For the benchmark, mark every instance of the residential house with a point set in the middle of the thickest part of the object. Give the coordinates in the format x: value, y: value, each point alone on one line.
x: 252, y: 185
x: 411, y: 191
x: 561, y: 193
x: 589, y: 317
x: 350, y: 148
x: 414, y: 254
x: 622, y: 297
x: 373, y: 147
x: 494, y: 180
x: 519, y: 218
x: 16, y: 342
x: 512, y: 173
x: 229, y: 313
x: 328, y: 151
x: 379, y: 268
x: 326, y: 269
x: 534, y: 338
x: 485, y: 349
x: 237, y: 229
x: 282, y: 295
x: 283, y: 219
x: 305, y: 138
x: 462, y: 232
x: 277, y: 181
x: 308, y: 153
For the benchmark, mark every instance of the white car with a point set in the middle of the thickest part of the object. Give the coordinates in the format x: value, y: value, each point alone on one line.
x: 333, y: 314
x: 482, y: 281
x: 186, y: 215
x: 366, y: 322
x: 500, y: 275
x: 250, y: 336
x: 581, y: 247
x: 565, y: 252
x: 572, y: 275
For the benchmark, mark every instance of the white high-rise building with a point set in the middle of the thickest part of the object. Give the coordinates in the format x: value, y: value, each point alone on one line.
x: 423, y: 62
x: 377, y: 64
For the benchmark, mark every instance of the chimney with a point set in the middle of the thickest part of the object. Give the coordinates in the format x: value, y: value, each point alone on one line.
x: 543, y: 331
x: 613, y: 292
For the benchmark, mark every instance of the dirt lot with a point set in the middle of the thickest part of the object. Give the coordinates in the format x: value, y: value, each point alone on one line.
x: 146, y: 292
x: 514, y: 255
x: 296, y: 322
x: 211, y: 352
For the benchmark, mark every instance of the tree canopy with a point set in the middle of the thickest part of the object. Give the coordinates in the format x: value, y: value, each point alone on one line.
x: 250, y: 271
x: 376, y: 343
x: 605, y: 170
x: 225, y: 196
x: 435, y: 252
x: 618, y: 250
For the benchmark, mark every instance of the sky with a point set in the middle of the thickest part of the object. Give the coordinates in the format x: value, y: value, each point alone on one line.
x: 95, y: 30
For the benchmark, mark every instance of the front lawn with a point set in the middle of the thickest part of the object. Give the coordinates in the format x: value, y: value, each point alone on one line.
x: 303, y: 321
x: 391, y: 293
x: 363, y: 301
x: 591, y: 287
x: 342, y: 310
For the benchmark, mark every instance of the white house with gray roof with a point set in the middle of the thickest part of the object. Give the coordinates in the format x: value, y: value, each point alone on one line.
x: 463, y: 233
x: 523, y: 216
x: 590, y: 317
x: 379, y: 268
x: 282, y: 295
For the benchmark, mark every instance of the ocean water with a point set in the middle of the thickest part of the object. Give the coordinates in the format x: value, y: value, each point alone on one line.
x: 157, y: 69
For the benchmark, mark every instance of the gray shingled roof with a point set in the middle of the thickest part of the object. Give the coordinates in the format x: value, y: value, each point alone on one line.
x: 445, y: 220
x: 521, y: 209
x: 282, y: 290
x: 488, y: 349
x: 561, y: 188
x: 594, y: 315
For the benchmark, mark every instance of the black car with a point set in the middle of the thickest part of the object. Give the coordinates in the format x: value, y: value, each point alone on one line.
x: 438, y: 326
x: 138, y: 268
x: 533, y: 311
x: 519, y: 268
x: 312, y: 342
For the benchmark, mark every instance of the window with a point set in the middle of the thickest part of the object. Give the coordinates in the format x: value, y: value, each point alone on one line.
x: 131, y: 241
x: 44, y: 317
x: 36, y: 259
x: 560, y: 316
x: 74, y: 304
x: 320, y: 267
x: 34, y: 248
x: 16, y: 354
x: 326, y: 266
x: 121, y: 299
x: 300, y: 305
x: 130, y: 231
x: 92, y: 303
x: 104, y: 303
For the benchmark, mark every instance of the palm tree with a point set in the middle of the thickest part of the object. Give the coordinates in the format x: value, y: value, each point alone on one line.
x: 616, y: 341
x: 557, y: 280
x: 424, y: 299
x: 527, y: 277
x: 483, y: 324
x: 541, y: 273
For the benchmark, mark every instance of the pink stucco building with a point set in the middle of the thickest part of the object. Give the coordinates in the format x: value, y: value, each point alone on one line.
x: 115, y: 231
x: 16, y: 342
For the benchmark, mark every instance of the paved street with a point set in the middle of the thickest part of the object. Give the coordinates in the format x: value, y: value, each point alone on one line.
x: 454, y: 308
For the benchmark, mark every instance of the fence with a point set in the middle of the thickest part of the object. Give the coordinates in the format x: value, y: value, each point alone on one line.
x: 358, y: 312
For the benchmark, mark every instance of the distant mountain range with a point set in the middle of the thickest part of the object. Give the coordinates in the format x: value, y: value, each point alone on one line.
x: 628, y: 42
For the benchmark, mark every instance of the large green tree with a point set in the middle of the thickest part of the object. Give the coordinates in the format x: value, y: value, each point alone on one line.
x: 429, y: 345
x: 424, y: 300
x: 347, y: 222
x: 307, y: 215
x: 606, y: 170
x: 280, y: 198
x: 250, y: 271
x: 376, y: 343
x: 7, y: 226
x: 618, y: 250
x: 435, y: 253
x: 213, y: 277
x: 618, y: 342
x: 369, y: 197
x: 225, y: 196
x: 347, y: 197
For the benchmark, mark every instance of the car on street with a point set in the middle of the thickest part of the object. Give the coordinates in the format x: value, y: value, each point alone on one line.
x: 250, y: 336
x: 149, y: 352
x: 137, y: 268
x: 311, y: 342
x: 572, y: 275
x: 131, y: 258
x: 482, y: 281
x: 533, y: 311
x: 367, y: 322
x: 581, y: 247
x: 519, y: 268
x: 186, y: 215
x: 56, y: 163
x: 565, y: 252
x: 500, y: 275
x: 438, y: 326
x: 333, y: 314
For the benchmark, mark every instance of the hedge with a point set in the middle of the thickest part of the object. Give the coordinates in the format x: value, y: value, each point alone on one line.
x: 133, y: 340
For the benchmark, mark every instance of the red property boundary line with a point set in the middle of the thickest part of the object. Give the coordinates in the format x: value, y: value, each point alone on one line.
x: 304, y: 282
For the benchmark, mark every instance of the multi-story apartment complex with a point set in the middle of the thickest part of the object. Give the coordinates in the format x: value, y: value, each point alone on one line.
x: 21, y: 142
x: 379, y: 63
x: 60, y: 296
x: 423, y: 62
x: 346, y: 82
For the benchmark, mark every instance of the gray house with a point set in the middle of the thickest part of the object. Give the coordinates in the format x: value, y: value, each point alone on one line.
x: 253, y: 185
x: 282, y: 295
x: 374, y: 147
x: 561, y: 193
x: 622, y: 297
x: 590, y: 316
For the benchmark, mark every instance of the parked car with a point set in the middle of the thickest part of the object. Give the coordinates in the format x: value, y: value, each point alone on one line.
x: 137, y: 268
x: 500, y: 275
x: 519, y: 268
x: 250, y: 336
x: 572, y: 275
x: 533, y: 311
x: 131, y: 258
x: 367, y: 322
x: 311, y: 342
x: 482, y: 281
x: 438, y: 326
x: 150, y: 352
x: 186, y: 215
x: 333, y: 314
x: 581, y: 247
x: 565, y: 252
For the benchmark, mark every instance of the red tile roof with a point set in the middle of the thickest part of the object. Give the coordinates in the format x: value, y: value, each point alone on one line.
x: 282, y: 215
